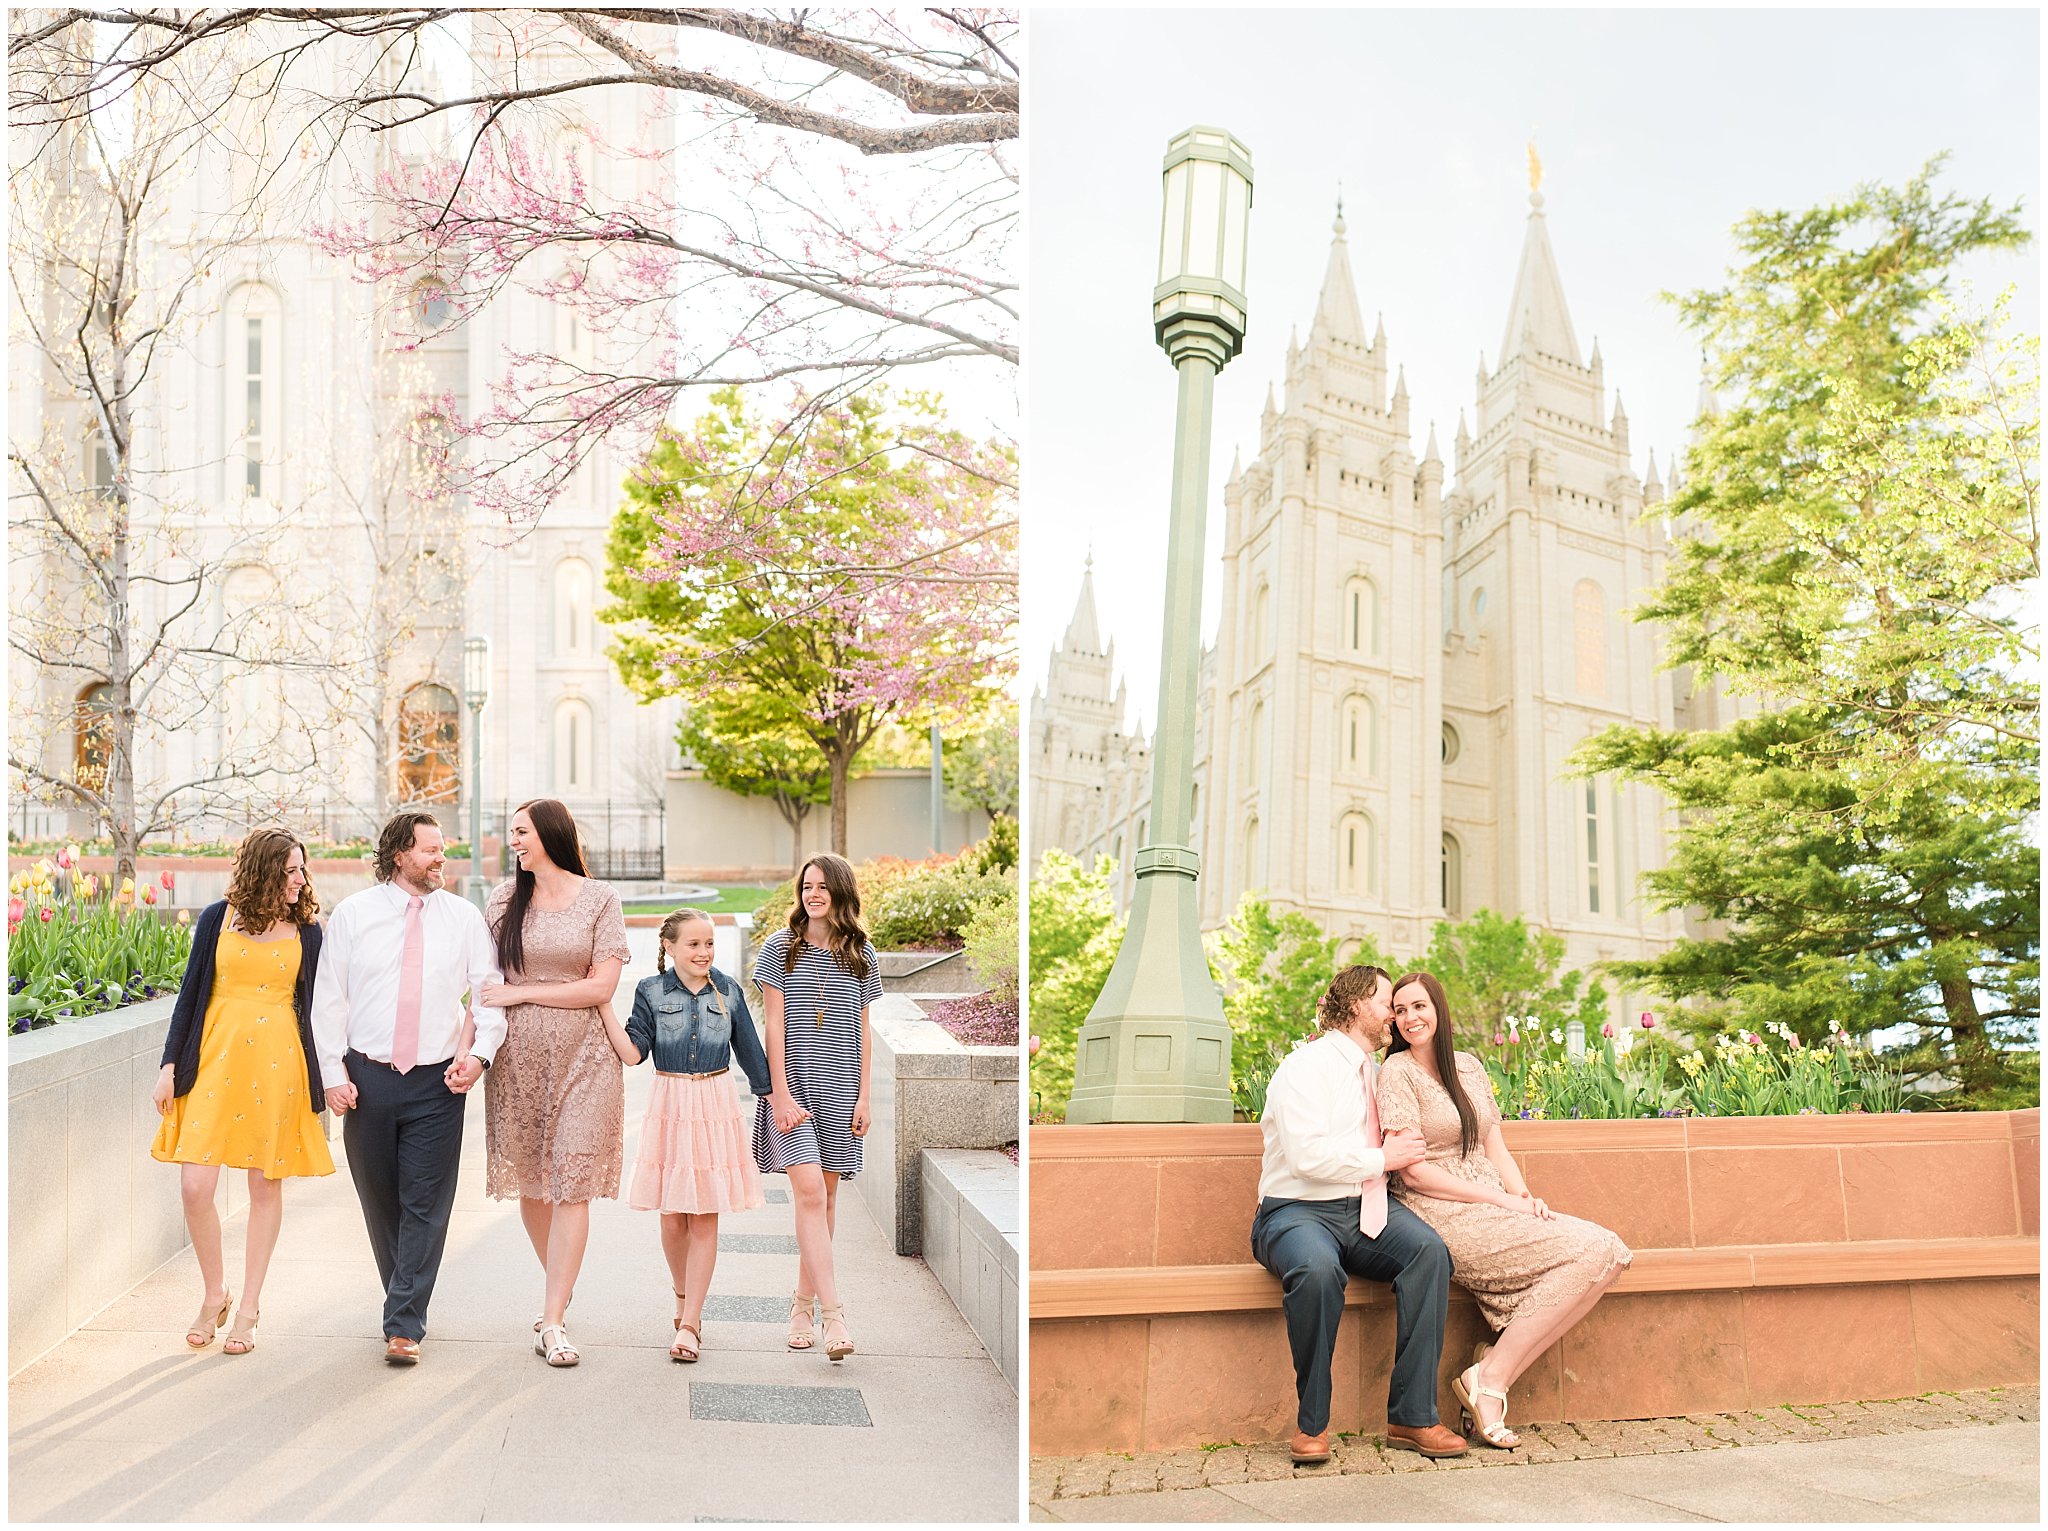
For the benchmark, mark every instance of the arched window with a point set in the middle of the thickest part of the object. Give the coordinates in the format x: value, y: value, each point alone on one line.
x: 1253, y: 873
x: 1589, y: 639
x: 92, y: 736
x: 99, y: 465
x: 255, y: 402
x: 1194, y: 817
x: 432, y: 307
x: 1450, y: 745
x: 1592, y: 850
x: 1358, y: 737
x: 1361, y: 616
x: 1454, y: 877
x: 1259, y: 641
x: 429, y: 745
x: 1358, y: 868
x: 572, y: 607
x: 1479, y: 606
x: 1253, y: 754
x: 575, y: 742
x: 249, y: 636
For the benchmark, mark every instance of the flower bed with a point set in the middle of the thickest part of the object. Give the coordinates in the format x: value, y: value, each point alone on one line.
x: 979, y: 1020
x: 89, y: 948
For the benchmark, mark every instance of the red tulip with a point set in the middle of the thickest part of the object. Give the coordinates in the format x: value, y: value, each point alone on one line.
x: 148, y: 894
x: 1607, y: 1029
x: 46, y: 914
x: 169, y: 880
x: 1649, y: 1021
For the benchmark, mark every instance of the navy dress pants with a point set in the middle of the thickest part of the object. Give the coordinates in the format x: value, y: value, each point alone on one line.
x: 404, y: 1140
x: 1314, y: 1247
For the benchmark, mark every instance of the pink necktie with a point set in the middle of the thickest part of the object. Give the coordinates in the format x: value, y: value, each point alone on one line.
x: 405, y: 1037
x: 1372, y: 1194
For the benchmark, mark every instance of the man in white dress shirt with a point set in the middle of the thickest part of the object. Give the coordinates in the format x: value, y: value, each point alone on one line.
x: 1324, y: 1215
x: 388, y: 1020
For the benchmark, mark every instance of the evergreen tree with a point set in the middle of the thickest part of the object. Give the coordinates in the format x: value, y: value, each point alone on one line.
x: 1855, y: 541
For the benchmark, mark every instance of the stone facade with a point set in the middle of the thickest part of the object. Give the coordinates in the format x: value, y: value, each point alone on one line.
x: 1409, y: 650
x: 320, y: 513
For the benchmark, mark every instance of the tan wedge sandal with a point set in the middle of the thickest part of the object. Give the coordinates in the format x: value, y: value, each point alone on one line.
x: 204, y: 1328
x: 801, y: 1335
x: 242, y: 1338
x: 832, y: 1319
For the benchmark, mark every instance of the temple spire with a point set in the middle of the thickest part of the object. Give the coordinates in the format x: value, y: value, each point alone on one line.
x: 1084, y: 634
x: 1337, y: 306
x: 1537, y: 316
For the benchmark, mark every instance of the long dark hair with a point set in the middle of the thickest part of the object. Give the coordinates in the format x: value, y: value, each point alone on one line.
x: 557, y: 831
x: 1446, y: 1056
x: 844, y: 932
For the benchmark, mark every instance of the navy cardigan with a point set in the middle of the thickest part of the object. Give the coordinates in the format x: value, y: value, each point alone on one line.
x: 188, y: 1016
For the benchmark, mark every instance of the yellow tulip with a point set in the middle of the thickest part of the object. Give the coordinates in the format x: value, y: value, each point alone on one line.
x: 127, y: 887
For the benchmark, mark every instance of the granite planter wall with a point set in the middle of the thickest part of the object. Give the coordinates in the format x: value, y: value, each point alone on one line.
x: 89, y: 1213
x: 927, y: 1090
x: 972, y: 1242
x: 1778, y: 1260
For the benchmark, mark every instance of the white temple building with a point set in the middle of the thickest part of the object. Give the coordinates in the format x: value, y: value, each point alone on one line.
x: 269, y: 426
x: 1408, y: 651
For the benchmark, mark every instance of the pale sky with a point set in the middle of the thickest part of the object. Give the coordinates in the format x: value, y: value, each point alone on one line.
x: 1658, y: 131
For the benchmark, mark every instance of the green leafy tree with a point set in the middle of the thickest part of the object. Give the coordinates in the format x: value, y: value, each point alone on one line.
x: 981, y: 767
x: 1859, y: 534
x: 1074, y: 938
x: 850, y: 567
x: 743, y: 744
x: 1492, y: 967
x: 1274, y: 969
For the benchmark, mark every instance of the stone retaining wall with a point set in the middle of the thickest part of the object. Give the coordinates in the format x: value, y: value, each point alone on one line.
x: 1779, y: 1260
x: 89, y: 1213
x: 972, y: 1242
x: 927, y: 1090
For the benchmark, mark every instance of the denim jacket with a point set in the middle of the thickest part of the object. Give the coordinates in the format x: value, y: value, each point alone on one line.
x: 691, y: 1033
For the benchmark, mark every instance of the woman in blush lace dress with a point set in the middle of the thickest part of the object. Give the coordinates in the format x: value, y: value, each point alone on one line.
x: 555, y: 1098
x: 1533, y: 1272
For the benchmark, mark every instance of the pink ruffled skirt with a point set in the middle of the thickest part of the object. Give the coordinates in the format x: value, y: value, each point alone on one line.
x: 695, y: 1151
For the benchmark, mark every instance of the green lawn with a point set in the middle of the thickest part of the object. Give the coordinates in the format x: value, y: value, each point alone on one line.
x: 733, y: 898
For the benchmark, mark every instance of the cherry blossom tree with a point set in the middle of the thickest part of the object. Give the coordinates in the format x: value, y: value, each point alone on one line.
x: 834, y: 202
x: 859, y: 572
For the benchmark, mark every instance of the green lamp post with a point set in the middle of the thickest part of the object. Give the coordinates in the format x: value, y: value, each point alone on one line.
x: 1156, y: 1048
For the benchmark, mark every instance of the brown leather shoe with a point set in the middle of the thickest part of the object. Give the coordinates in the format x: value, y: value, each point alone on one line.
x: 1307, y: 1450
x: 400, y: 1351
x: 1430, y: 1440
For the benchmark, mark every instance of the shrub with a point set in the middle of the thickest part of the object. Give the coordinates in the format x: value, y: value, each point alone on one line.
x: 1074, y: 939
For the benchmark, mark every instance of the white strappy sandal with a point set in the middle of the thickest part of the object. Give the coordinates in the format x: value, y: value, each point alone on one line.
x: 559, y: 1351
x: 1469, y: 1390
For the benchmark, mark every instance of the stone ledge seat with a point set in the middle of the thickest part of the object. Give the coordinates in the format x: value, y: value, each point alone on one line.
x: 1173, y: 1289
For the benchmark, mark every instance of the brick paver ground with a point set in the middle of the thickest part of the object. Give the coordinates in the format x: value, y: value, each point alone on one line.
x: 1067, y: 1478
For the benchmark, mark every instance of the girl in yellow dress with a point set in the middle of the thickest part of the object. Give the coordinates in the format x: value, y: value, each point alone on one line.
x: 239, y: 1088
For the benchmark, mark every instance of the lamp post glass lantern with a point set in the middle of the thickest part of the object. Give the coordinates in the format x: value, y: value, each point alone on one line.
x: 1155, y: 1047
x: 476, y: 691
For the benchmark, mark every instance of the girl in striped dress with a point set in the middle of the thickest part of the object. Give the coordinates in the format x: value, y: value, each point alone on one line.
x: 817, y: 977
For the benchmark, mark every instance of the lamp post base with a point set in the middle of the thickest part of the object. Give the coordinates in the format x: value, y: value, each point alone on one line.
x: 1156, y: 1047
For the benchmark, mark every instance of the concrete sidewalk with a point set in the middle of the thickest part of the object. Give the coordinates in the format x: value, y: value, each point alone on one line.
x: 1932, y: 1469
x: 123, y: 1422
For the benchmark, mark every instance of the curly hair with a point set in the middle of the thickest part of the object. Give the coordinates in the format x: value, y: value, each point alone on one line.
x: 844, y: 932
x: 256, y: 884
x: 1351, y: 985
x: 397, y: 837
